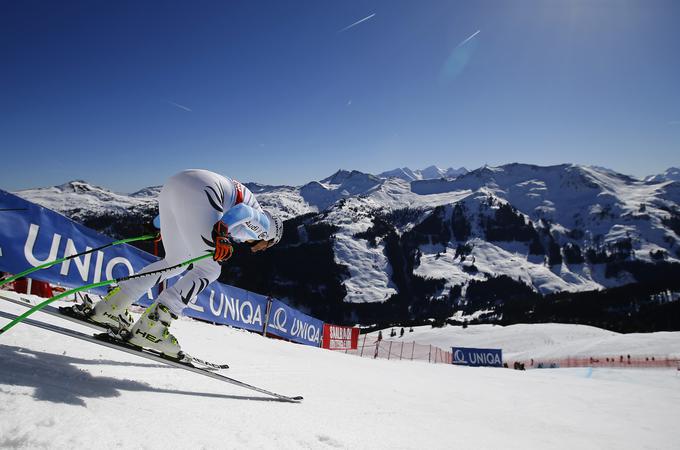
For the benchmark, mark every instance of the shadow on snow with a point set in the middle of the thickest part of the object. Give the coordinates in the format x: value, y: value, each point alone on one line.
x: 56, y: 378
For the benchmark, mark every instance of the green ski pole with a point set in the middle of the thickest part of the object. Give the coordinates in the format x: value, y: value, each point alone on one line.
x: 57, y: 261
x: 39, y: 306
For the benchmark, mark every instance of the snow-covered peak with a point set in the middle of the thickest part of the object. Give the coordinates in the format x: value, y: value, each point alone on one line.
x: 516, y: 220
x: 148, y: 192
x: 79, y: 187
x: 78, y: 197
x: 351, y: 178
x: 431, y: 172
x: 453, y: 173
x: 503, y: 177
x: 338, y: 177
x: 403, y: 173
x: 605, y: 205
x: 257, y: 188
x: 671, y: 174
x: 85, y: 189
x: 341, y: 184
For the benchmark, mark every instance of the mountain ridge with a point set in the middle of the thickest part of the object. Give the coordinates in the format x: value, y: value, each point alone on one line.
x: 436, y: 245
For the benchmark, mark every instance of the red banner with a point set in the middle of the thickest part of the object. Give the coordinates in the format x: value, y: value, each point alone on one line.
x: 336, y: 337
x: 39, y: 288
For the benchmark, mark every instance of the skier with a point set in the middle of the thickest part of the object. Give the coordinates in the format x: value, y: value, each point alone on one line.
x: 200, y: 211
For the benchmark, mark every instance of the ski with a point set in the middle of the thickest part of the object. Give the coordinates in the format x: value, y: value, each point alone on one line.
x: 113, y: 338
x: 117, y: 345
x: 68, y: 314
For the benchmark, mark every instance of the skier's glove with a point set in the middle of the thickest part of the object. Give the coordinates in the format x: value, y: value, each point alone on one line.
x: 223, y: 247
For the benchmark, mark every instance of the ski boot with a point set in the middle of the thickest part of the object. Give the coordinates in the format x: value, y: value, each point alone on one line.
x: 111, y: 312
x: 151, y: 331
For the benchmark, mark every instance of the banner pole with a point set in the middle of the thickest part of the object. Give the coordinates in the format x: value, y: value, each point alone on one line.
x: 266, y: 316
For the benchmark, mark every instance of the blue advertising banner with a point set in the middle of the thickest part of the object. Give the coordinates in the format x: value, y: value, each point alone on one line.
x: 288, y: 323
x: 31, y: 235
x: 477, y: 356
x: 228, y: 305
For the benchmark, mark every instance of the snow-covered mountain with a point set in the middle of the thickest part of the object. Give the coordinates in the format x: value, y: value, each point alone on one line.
x: 111, y: 213
x: 149, y: 192
x: 433, y: 245
x: 552, y: 228
x: 431, y: 172
x: 671, y: 174
x: 78, y: 198
x: 340, y: 185
x: 286, y: 200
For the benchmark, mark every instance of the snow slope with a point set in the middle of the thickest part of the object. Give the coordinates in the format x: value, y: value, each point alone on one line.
x: 284, y: 200
x: 602, y: 206
x: 57, y: 392
x: 580, y: 205
x: 546, y: 340
x: 587, y: 208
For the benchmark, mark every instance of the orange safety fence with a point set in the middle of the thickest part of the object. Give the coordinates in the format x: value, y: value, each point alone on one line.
x: 400, y: 350
x: 619, y: 361
x: 412, y: 351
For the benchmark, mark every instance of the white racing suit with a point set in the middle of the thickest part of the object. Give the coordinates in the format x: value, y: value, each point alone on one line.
x: 189, y: 205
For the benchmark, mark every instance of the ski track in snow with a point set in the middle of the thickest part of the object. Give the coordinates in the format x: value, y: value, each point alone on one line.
x: 57, y: 392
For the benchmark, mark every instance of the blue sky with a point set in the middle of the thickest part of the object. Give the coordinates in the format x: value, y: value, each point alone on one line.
x: 124, y: 94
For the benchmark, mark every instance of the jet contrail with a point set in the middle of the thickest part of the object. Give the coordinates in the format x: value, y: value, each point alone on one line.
x: 180, y: 106
x: 357, y: 23
x: 468, y: 38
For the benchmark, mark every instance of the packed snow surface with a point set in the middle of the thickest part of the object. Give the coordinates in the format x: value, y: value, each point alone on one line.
x: 544, y: 340
x: 59, y: 392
